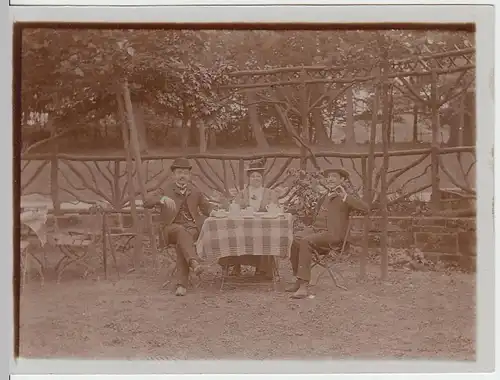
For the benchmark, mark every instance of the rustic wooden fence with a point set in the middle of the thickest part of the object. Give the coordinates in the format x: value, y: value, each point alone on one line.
x: 383, y: 177
x: 71, y: 178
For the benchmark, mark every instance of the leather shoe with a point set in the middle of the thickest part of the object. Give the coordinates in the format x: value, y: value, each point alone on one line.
x: 180, y: 291
x: 293, y: 288
x: 196, y: 267
x: 301, y: 292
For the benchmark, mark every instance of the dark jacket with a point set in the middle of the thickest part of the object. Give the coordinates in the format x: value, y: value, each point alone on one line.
x: 198, y: 205
x: 337, y: 216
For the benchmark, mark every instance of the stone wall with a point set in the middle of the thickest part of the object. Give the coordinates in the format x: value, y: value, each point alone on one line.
x: 451, y: 240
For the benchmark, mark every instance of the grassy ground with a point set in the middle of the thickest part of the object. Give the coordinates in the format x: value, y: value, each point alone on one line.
x: 413, y: 315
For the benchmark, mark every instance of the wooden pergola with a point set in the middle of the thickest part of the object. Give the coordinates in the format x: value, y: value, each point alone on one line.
x: 339, y: 80
x: 336, y: 81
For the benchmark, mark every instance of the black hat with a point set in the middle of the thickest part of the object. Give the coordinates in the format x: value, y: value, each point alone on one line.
x: 342, y: 172
x: 256, y: 166
x: 180, y: 163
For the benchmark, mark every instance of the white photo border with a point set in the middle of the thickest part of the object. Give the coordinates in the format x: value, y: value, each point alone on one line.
x: 484, y: 19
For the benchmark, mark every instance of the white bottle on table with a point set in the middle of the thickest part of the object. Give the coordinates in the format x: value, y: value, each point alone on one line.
x: 234, y: 209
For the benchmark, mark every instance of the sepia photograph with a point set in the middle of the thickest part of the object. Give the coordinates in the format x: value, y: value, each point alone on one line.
x: 254, y: 193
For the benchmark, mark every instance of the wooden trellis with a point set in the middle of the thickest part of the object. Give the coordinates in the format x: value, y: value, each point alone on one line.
x: 383, y: 73
x: 337, y: 80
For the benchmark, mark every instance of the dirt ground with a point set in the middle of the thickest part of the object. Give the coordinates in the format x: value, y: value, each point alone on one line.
x: 412, y: 315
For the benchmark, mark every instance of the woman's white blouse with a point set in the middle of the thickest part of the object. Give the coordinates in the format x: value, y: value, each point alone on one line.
x: 255, y: 197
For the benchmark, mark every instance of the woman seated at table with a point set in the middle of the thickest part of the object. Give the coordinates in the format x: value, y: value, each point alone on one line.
x: 258, y: 197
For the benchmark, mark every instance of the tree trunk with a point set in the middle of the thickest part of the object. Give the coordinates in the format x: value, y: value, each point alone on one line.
x: 141, y: 175
x: 390, y: 126
x: 368, y: 180
x: 194, y: 133
x: 415, y: 123
x: 212, y: 139
x: 245, y: 130
x: 461, y: 124
x: 304, y: 111
x: 469, y: 131
x: 384, y: 256
x: 54, y: 171
x: 258, y: 133
x: 321, y: 135
x: 286, y: 123
x: 350, y: 137
x: 141, y: 128
x: 185, y: 132
x: 137, y: 256
x: 203, y: 136
x: 435, y: 196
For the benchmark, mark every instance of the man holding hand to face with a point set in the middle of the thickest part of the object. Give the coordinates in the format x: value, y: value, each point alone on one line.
x: 184, y: 208
x: 329, y: 228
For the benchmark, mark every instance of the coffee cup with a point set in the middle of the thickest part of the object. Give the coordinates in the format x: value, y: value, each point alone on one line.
x: 273, y: 208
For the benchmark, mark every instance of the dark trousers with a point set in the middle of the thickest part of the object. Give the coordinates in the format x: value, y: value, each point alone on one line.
x: 183, y: 238
x: 302, y: 251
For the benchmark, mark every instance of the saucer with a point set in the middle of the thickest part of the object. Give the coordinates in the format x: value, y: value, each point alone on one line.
x: 269, y: 216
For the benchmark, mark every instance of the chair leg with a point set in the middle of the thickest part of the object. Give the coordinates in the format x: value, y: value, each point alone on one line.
x: 321, y: 273
x: 275, y: 273
x: 73, y: 258
x: 40, y: 267
x: 332, y: 275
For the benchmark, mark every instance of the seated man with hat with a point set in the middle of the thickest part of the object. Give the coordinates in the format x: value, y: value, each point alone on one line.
x: 183, y: 212
x: 329, y: 227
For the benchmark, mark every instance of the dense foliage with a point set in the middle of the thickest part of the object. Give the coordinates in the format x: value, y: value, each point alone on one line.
x: 177, y: 77
x: 305, y: 191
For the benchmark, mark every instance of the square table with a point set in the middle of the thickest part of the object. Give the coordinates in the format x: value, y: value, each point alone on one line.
x: 238, y: 236
x: 234, y: 236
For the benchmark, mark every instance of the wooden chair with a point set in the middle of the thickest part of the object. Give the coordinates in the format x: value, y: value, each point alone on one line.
x: 326, y: 258
x: 29, y: 244
x: 169, y: 252
x: 26, y: 258
x: 77, y: 242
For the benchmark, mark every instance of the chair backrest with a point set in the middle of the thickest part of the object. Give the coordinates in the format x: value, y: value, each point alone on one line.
x: 77, y: 222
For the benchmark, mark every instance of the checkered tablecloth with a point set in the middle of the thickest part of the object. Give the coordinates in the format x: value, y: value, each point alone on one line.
x: 237, y: 237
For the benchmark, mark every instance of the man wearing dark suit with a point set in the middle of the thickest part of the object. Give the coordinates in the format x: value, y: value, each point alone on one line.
x: 329, y: 228
x: 184, y: 209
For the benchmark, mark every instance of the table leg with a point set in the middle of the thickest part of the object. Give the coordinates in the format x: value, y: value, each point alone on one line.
x: 225, y: 273
x: 275, y: 272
